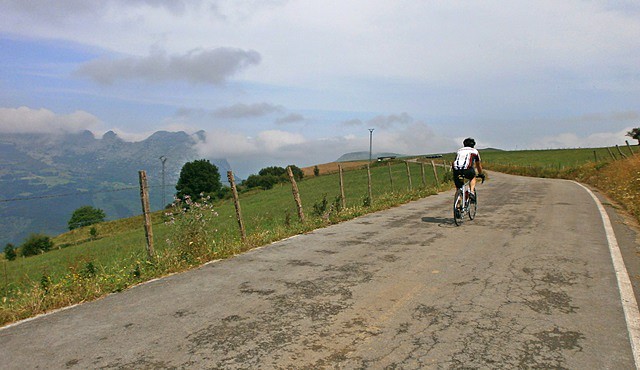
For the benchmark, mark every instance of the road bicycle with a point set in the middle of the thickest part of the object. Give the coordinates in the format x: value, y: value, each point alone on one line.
x: 462, y: 203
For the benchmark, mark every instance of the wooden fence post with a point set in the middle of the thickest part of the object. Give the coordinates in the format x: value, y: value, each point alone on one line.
x: 369, y: 183
x: 343, y: 199
x: 424, y: 179
x: 629, y: 146
x: 611, y: 154
x: 236, y: 202
x: 409, y: 175
x: 296, y: 194
x: 620, y: 151
x: 595, y: 156
x: 435, y: 173
x: 390, y: 176
x: 144, y: 199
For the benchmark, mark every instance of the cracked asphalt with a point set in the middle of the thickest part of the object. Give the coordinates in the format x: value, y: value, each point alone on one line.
x: 528, y: 284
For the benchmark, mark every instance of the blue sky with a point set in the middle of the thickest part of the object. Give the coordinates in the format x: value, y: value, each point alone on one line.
x: 274, y: 82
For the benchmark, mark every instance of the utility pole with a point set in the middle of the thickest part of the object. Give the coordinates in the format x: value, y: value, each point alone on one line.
x: 164, y: 201
x: 370, y: 142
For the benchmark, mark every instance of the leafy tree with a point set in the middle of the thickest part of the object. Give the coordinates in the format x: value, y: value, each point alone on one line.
x: 10, y: 252
x: 36, y: 244
x: 198, y: 177
x: 635, y: 134
x: 265, y: 182
x: 269, y: 176
x: 316, y: 171
x: 85, y: 216
x: 297, y: 172
x: 253, y: 181
x: 274, y: 171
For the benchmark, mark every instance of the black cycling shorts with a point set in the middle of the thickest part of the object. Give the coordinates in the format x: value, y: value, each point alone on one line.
x: 469, y: 173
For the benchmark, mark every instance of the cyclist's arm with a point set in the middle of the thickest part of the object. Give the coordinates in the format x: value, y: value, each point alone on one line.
x: 479, y: 167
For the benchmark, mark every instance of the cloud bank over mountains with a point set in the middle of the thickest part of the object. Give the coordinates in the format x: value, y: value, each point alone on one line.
x: 27, y: 120
x: 307, y: 79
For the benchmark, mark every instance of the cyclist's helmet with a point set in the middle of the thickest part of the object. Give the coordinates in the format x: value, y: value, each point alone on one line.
x: 469, y: 142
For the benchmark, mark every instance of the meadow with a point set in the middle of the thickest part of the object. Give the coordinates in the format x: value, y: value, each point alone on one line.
x: 83, y: 268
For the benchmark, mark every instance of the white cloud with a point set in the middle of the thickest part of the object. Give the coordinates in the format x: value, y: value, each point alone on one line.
x: 572, y: 140
x: 28, y: 120
x: 468, y: 64
x: 213, y: 66
x: 276, y: 147
x: 309, y: 41
x: 274, y: 140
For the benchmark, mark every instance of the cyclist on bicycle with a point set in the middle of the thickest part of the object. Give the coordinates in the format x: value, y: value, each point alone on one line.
x: 466, y: 158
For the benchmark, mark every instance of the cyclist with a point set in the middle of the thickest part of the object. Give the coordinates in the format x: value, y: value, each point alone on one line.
x: 466, y: 158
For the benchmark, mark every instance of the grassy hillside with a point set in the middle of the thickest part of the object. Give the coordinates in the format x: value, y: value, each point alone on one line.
x: 552, y: 158
x: 82, y: 269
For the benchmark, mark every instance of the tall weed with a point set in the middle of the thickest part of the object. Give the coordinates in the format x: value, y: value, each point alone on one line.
x: 191, y: 231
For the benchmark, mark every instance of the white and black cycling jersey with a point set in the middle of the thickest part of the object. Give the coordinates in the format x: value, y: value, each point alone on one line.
x: 466, y: 158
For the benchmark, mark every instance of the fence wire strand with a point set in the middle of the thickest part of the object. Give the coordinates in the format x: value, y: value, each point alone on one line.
x: 78, y: 193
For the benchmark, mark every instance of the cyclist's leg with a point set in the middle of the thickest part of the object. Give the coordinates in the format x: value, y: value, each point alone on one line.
x: 456, y: 178
x: 471, y: 175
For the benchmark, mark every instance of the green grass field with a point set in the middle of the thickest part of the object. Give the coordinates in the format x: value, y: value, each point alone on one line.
x: 121, y: 243
x: 557, y: 158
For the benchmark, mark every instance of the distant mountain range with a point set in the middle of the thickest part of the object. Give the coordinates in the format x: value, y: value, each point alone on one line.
x: 45, y: 177
x: 364, y: 156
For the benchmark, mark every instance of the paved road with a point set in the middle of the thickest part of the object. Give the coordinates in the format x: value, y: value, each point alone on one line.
x: 529, y: 284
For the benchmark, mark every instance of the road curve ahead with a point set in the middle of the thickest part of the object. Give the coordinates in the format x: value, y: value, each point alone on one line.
x: 528, y: 284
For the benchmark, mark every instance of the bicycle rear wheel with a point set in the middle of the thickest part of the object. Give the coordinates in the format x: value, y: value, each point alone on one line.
x: 458, y: 216
x: 473, y: 207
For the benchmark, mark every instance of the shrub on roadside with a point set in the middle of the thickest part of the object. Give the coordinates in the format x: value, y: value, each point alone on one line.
x: 192, y: 235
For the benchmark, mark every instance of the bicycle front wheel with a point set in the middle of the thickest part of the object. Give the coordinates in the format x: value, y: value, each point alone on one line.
x: 458, y: 216
x: 473, y: 207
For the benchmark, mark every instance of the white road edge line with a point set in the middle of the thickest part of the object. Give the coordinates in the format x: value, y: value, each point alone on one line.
x: 629, y: 303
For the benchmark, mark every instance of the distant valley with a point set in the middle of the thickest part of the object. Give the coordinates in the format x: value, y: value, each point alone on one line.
x: 45, y: 177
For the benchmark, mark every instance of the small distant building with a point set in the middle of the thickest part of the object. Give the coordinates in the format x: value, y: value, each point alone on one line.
x: 382, y: 159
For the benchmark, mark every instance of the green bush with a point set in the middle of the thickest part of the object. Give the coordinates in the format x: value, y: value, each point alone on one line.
x: 36, y: 244
x: 85, y: 216
x: 270, y: 176
x: 10, y: 252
